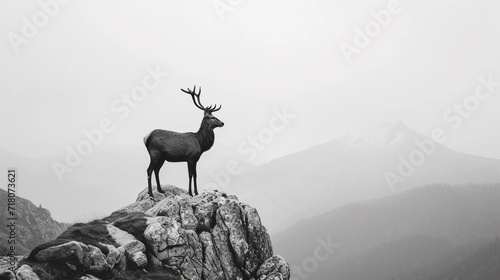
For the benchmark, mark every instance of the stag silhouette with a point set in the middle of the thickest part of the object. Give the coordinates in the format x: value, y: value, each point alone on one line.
x: 165, y: 145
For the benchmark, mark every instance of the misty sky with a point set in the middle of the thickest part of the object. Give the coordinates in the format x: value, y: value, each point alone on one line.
x: 261, y: 56
x: 81, y: 66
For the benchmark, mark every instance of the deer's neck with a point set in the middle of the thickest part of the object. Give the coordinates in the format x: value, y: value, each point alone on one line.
x: 205, y: 136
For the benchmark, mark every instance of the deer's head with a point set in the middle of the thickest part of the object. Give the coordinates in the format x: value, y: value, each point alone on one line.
x: 210, y: 120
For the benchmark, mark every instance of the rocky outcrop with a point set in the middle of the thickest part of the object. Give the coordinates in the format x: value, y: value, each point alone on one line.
x: 175, y: 236
x: 35, y: 223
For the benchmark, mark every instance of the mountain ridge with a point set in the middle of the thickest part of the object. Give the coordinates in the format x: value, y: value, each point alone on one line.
x: 33, y: 225
x: 350, y: 169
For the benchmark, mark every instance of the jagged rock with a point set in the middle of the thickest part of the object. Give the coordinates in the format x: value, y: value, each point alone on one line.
x: 169, y: 191
x: 167, y: 207
x: 274, y: 268
x: 204, y: 213
x: 76, y: 255
x: 25, y: 272
x: 188, y: 220
x: 68, y: 252
x: 220, y: 234
x: 133, y: 247
x: 213, y: 267
x: 258, y: 239
x: 161, y: 233
x: 121, y: 264
x: 138, y: 259
x: 7, y: 275
x: 130, y: 247
x: 95, y: 261
x: 115, y: 254
x: 212, y: 236
x: 7, y: 263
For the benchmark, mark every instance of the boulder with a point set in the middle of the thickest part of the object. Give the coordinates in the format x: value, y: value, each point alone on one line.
x: 25, y: 272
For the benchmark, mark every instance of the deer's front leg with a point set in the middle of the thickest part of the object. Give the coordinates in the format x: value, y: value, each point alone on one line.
x: 194, y: 178
x: 192, y: 174
x: 190, y: 177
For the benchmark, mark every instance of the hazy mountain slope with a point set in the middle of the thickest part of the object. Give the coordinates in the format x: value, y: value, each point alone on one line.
x: 34, y: 225
x: 484, y: 264
x: 472, y: 262
x: 457, y: 215
x: 391, y: 258
x: 350, y: 169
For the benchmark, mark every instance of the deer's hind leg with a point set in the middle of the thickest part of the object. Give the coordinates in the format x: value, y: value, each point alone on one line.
x: 155, y: 161
x: 157, y: 175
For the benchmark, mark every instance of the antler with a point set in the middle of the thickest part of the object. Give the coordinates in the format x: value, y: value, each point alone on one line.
x: 197, y: 102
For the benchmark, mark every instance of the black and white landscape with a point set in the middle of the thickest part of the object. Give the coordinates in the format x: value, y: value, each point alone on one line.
x: 364, y: 133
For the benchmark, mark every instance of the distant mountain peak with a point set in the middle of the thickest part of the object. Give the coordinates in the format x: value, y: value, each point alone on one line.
x: 395, y: 125
x: 390, y: 134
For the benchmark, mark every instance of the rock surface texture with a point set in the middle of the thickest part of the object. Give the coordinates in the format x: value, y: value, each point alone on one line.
x: 174, y: 236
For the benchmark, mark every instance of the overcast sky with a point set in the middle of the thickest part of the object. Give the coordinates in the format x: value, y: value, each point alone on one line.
x: 253, y: 57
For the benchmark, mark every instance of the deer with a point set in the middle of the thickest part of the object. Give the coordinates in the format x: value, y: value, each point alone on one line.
x: 171, y: 146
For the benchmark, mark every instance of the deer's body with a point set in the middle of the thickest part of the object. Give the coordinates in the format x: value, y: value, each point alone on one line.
x: 165, y: 145
x: 174, y: 146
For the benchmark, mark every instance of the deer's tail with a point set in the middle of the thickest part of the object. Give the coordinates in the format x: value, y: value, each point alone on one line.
x: 146, y: 138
